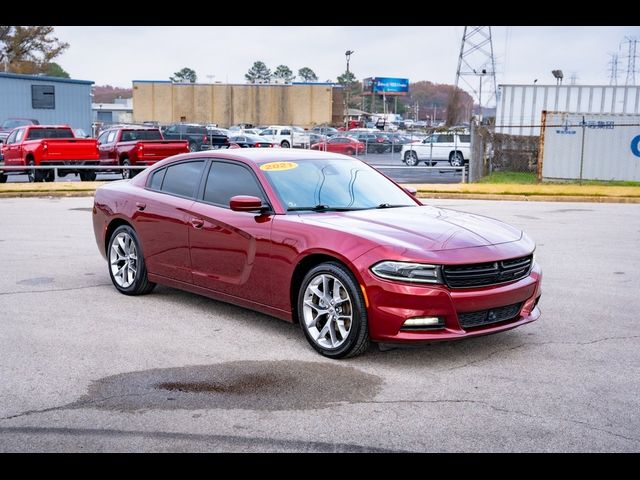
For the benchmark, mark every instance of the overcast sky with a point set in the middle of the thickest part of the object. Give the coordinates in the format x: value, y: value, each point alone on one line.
x: 118, y: 55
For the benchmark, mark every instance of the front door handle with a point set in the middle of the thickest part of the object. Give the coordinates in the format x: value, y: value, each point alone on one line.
x: 197, y: 222
x: 141, y: 206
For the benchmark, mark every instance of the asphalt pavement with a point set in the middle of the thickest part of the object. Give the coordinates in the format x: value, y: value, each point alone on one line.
x: 84, y: 368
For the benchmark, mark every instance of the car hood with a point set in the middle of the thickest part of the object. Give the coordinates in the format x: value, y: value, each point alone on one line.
x: 422, y: 228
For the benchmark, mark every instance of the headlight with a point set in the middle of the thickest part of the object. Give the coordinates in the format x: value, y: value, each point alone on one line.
x: 408, y: 272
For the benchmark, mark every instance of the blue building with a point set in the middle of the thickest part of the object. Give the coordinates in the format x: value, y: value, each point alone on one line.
x: 50, y: 100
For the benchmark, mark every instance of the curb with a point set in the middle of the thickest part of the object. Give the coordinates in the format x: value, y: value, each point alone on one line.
x: 529, y: 198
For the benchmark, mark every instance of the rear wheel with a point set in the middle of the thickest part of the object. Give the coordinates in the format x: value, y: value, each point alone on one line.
x: 285, y: 144
x: 456, y: 159
x: 332, y: 312
x: 349, y: 151
x: 126, y: 173
x: 87, y: 175
x: 411, y: 158
x: 193, y: 147
x: 3, y: 177
x: 33, y: 174
x: 127, y: 269
x: 50, y: 175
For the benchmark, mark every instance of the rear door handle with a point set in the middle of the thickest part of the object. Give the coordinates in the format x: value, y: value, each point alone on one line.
x: 197, y: 222
x: 141, y: 206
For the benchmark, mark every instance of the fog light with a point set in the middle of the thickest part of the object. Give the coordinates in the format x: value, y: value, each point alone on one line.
x: 424, y: 322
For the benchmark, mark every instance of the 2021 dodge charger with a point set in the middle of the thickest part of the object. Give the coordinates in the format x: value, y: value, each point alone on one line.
x: 320, y: 239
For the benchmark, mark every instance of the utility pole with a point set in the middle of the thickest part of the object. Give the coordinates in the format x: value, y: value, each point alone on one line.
x: 347, y: 54
x: 476, y: 59
x: 613, y: 70
x: 631, y: 42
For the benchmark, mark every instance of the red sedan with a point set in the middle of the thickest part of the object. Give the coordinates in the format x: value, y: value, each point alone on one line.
x: 346, y: 145
x: 319, y: 239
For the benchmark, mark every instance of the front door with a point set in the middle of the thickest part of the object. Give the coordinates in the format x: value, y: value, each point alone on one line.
x: 230, y: 250
x: 107, y: 148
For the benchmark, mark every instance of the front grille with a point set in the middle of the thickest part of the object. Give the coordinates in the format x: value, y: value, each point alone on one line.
x: 484, y: 274
x: 486, y: 317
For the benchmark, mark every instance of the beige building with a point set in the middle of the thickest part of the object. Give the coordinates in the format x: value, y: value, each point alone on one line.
x: 229, y: 104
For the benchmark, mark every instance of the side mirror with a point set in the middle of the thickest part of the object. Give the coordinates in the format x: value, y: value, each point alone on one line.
x: 411, y: 191
x: 245, y: 203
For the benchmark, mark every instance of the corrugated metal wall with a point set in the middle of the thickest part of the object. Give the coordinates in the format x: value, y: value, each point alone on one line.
x: 519, y: 107
x: 72, y: 101
x: 609, y: 150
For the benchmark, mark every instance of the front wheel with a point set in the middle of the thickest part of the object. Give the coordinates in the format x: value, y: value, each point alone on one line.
x: 3, y: 177
x: 285, y: 144
x: 456, y: 159
x: 127, y: 269
x: 411, y: 158
x: 332, y: 312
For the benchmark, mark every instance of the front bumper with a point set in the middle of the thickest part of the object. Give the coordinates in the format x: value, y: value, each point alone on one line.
x: 391, y: 303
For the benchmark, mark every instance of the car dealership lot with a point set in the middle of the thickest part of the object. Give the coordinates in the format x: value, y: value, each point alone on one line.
x: 85, y: 368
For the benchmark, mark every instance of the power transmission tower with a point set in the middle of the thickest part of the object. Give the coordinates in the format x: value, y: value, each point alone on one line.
x: 613, y: 69
x: 574, y: 78
x: 631, y: 59
x: 477, y: 60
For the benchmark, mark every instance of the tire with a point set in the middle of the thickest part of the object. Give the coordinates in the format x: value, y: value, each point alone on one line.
x: 456, y: 159
x: 411, y: 158
x: 349, y: 151
x: 346, y: 339
x: 87, y: 175
x: 50, y: 176
x: 193, y: 147
x: 34, y: 175
x: 3, y: 177
x: 285, y: 144
x: 126, y: 265
x: 126, y: 174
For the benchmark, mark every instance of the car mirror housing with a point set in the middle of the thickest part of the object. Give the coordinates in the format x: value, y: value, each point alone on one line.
x: 245, y: 203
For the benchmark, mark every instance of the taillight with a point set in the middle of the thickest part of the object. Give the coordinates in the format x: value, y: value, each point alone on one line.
x: 204, y: 138
x: 140, y: 148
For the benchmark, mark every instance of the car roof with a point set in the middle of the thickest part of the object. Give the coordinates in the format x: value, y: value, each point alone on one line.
x: 259, y: 156
x: 45, y: 126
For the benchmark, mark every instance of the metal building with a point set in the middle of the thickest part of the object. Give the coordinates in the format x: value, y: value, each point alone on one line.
x: 519, y: 107
x: 590, y: 147
x: 50, y: 100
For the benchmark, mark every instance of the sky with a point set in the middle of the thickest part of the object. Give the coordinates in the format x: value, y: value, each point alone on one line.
x: 118, y: 55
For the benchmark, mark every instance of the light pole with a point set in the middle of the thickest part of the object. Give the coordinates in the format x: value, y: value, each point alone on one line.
x: 480, y: 75
x: 347, y: 54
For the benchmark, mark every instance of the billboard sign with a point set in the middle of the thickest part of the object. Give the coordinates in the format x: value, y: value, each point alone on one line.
x: 385, y: 86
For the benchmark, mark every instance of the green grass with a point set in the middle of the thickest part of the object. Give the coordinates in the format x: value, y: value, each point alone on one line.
x: 525, y: 178
x: 521, y: 178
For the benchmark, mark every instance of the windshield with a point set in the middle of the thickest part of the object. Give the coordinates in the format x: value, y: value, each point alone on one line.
x: 11, y: 124
x: 333, y: 184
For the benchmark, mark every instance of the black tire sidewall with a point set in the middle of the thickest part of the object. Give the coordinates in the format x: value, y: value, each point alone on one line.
x: 359, y: 325
x: 142, y: 269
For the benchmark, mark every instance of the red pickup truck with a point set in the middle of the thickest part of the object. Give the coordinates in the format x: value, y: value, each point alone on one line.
x: 48, y: 145
x: 133, y: 145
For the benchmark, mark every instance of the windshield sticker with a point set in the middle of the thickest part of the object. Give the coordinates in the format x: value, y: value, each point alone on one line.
x: 278, y: 166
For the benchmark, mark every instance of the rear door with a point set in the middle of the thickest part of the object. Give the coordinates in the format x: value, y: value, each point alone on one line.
x: 230, y: 250
x: 163, y: 219
x: 443, y: 146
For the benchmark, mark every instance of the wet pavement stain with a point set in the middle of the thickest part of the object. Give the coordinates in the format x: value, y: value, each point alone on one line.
x: 251, y: 385
x: 528, y: 217
x: 618, y: 273
x: 566, y: 210
x: 35, y: 281
x: 81, y: 209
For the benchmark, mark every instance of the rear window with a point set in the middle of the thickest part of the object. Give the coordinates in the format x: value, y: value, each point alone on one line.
x: 38, y: 133
x: 134, y: 135
x: 197, y: 130
x: 465, y: 138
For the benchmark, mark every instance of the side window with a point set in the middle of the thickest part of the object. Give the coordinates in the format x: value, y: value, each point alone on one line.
x: 183, y: 179
x: 336, y: 140
x: 171, y: 129
x: 445, y: 138
x: 227, y: 180
x: 266, y: 132
x: 156, y: 179
x: 285, y: 132
x: 12, y: 138
x: 103, y: 137
x: 465, y: 138
x: 431, y: 139
x: 19, y: 135
x: 111, y: 137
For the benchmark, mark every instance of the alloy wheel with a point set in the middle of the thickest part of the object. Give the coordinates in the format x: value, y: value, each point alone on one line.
x: 123, y: 259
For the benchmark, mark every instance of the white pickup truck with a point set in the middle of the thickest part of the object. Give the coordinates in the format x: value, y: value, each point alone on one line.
x: 451, y: 147
x: 287, y: 136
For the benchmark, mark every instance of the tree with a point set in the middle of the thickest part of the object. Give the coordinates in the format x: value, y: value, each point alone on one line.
x: 307, y: 75
x: 186, y: 75
x: 283, y: 73
x: 258, y: 73
x: 347, y: 78
x: 28, y: 48
x: 55, y: 70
